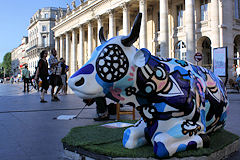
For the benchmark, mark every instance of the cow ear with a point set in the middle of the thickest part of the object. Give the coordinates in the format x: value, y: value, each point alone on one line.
x: 141, y: 57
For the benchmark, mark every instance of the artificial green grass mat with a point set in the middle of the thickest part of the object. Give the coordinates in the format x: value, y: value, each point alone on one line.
x: 108, y: 141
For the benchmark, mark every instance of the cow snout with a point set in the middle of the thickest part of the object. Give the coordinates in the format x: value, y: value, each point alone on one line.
x: 79, y: 82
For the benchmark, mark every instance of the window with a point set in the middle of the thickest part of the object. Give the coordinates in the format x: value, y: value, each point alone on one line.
x: 180, y: 15
x: 204, y: 10
x: 237, y: 9
x: 46, y: 15
x: 44, y: 28
x: 158, y: 24
x: 180, y: 50
x: 44, y: 41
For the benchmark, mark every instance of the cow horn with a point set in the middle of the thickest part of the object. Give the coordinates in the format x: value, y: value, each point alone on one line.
x: 101, y: 36
x: 133, y: 36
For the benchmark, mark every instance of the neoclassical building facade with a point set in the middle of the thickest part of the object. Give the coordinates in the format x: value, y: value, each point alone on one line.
x: 170, y: 28
x: 19, y: 57
x: 40, y: 33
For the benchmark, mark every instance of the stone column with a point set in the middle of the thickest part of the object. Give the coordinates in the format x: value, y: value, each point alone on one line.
x: 143, y: 30
x: 73, y: 53
x: 215, y: 23
x: 67, y: 49
x: 57, y: 46
x: 164, y: 40
x: 111, y: 24
x: 99, y: 25
x: 190, y: 30
x: 61, y: 46
x: 81, y: 47
x: 89, y: 40
x: 126, y: 19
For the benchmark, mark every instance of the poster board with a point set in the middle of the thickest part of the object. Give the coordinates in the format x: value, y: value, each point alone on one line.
x: 220, y: 61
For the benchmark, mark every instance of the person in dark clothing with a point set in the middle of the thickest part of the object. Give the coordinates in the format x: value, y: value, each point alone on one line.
x: 102, y: 108
x: 42, y: 72
x: 64, y: 69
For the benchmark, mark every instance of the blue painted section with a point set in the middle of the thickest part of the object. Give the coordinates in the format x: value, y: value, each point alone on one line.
x: 126, y: 135
x: 160, y: 106
x: 88, y: 69
x: 160, y: 150
x: 181, y: 70
x: 207, y: 107
x: 156, y: 134
x: 192, y: 145
x: 147, y: 54
x: 224, y: 116
x: 181, y: 147
x: 141, y: 141
x: 203, y: 119
x: 106, y: 86
x: 124, y: 83
x: 176, y: 131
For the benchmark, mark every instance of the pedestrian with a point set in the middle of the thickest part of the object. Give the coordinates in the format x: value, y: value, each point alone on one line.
x: 64, y: 70
x: 234, y: 72
x: 55, y: 74
x: 25, y: 76
x: 101, y: 108
x: 42, y: 72
x: 238, y: 75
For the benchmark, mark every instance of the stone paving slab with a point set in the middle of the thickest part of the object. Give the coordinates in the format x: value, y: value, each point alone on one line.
x: 27, y: 127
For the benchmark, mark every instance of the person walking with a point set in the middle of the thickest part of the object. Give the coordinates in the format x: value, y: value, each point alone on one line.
x: 25, y: 76
x: 55, y: 74
x: 238, y: 76
x: 42, y: 72
x: 64, y: 70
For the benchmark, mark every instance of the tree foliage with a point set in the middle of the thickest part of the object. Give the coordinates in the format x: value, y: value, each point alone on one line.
x: 6, y: 64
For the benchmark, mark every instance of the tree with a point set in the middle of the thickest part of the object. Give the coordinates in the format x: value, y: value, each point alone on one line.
x: 7, y: 64
x: 1, y: 70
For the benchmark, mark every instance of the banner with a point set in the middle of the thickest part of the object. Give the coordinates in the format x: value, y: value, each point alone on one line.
x: 220, y: 61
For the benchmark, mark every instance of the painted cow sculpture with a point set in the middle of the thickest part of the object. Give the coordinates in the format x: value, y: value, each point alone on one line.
x: 179, y: 102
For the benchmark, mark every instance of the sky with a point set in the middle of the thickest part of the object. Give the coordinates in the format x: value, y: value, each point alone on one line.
x: 15, y: 18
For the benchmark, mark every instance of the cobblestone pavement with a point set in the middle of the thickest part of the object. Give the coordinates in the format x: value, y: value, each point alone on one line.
x: 29, y: 132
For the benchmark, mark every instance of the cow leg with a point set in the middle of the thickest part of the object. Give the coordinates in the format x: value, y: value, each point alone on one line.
x: 178, y: 139
x: 133, y: 137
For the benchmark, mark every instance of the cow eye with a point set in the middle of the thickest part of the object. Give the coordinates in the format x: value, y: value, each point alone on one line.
x: 112, y: 63
x: 160, y: 73
x: 149, y: 87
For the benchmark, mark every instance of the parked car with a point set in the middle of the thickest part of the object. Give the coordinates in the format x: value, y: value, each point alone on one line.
x: 1, y: 80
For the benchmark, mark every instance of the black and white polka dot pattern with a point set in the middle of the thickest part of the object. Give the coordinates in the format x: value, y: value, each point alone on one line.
x: 112, y: 63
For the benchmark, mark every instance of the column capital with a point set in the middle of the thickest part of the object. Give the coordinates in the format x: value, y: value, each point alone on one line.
x: 89, y: 22
x: 124, y: 6
x: 142, y: 2
x: 73, y: 30
x: 79, y: 25
x: 98, y: 17
x: 110, y: 11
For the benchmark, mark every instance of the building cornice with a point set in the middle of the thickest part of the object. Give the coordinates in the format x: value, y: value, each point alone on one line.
x: 80, y: 11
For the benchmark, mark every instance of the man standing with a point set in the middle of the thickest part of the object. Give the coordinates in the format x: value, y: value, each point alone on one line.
x: 55, y: 74
x: 26, y: 76
x: 64, y: 69
x: 42, y: 72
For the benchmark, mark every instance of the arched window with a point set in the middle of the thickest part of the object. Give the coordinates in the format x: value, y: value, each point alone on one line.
x: 180, y: 50
x: 206, y: 51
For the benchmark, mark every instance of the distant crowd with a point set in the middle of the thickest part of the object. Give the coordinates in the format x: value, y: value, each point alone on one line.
x: 48, y: 73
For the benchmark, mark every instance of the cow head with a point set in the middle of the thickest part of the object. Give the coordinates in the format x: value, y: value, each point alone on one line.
x: 109, y: 64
